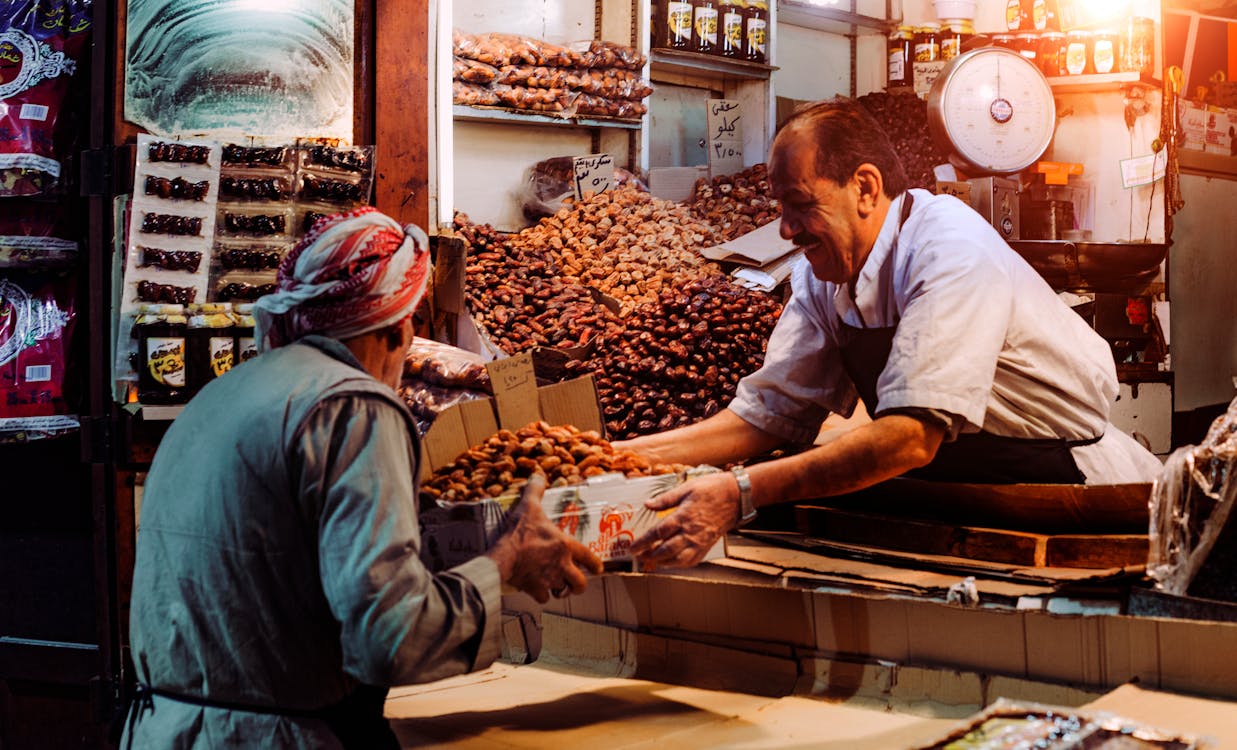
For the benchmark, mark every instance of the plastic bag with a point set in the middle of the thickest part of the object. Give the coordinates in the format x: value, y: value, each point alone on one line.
x: 444, y: 365
x: 36, y: 322
x: 472, y: 71
x: 472, y: 95
x: 40, y: 44
x: 552, y: 181
x: 1191, y: 502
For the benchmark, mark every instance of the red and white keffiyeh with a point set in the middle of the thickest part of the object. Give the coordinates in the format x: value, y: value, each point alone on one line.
x: 351, y: 274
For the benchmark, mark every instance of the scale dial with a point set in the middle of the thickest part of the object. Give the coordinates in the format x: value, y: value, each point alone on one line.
x: 993, y: 109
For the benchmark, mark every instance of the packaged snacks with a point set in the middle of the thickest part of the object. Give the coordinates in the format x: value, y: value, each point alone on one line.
x: 473, y: 95
x: 36, y: 323
x: 171, y: 260
x: 254, y: 187
x: 472, y: 71
x: 35, y: 234
x: 236, y: 155
x: 41, y: 42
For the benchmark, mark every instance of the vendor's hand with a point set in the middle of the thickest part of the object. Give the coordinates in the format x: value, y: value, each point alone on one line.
x: 707, y: 507
x: 537, y: 558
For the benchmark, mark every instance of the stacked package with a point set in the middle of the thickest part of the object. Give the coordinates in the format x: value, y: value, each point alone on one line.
x: 596, y: 79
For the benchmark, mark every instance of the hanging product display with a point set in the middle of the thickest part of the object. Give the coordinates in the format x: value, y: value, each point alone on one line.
x: 41, y: 43
x: 37, y: 312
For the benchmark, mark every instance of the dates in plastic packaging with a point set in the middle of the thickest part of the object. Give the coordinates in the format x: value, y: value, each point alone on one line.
x: 36, y: 322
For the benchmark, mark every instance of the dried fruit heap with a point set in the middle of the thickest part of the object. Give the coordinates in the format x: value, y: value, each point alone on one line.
x: 504, y: 463
x: 735, y: 204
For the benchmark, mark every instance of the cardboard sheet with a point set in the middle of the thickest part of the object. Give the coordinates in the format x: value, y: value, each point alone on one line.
x: 759, y: 247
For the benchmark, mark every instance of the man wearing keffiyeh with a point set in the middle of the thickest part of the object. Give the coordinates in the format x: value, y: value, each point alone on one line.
x: 278, y: 588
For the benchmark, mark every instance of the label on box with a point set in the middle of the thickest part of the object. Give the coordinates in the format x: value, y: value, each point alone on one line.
x: 593, y: 174
x: 724, y: 120
x: 515, y: 390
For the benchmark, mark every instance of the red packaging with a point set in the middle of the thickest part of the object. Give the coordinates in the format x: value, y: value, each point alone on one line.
x: 36, y: 322
x: 40, y: 44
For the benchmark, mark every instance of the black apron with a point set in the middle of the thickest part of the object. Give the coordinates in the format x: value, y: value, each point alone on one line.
x: 974, y: 457
x: 357, y: 720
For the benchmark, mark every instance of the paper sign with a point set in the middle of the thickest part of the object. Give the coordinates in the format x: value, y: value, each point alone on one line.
x: 725, y: 130
x: 1143, y: 170
x: 593, y: 174
x: 515, y: 390
x: 925, y: 74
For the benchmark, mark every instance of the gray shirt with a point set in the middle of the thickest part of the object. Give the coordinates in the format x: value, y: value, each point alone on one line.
x: 277, y: 558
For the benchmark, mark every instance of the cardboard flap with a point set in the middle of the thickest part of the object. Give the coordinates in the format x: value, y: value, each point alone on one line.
x: 759, y: 247
x: 515, y: 390
x: 572, y: 402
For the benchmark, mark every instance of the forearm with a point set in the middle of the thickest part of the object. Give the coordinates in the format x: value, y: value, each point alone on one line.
x: 866, y: 455
x: 721, y: 439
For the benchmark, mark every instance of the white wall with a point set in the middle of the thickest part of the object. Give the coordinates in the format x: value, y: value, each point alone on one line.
x: 1202, y: 279
x: 812, y: 64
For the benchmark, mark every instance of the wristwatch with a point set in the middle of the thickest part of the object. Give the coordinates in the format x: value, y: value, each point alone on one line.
x: 747, y: 511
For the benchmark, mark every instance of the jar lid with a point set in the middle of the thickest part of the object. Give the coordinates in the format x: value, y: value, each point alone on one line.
x: 930, y: 26
x: 1027, y: 35
x: 1052, y: 35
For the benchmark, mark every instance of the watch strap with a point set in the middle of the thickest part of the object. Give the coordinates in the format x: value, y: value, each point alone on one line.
x: 747, y: 511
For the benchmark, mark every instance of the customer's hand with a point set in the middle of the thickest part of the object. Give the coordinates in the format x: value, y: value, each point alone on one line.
x: 537, y: 558
x: 705, y: 508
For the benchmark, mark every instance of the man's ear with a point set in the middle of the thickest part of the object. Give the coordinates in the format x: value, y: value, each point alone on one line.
x: 871, y: 186
x: 394, y: 337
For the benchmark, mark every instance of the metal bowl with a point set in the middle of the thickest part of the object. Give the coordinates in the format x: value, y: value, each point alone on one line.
x: 1114, y: 267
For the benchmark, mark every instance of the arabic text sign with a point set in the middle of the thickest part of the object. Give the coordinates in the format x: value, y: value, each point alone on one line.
x: 593, y: 174
x: 725, y: 142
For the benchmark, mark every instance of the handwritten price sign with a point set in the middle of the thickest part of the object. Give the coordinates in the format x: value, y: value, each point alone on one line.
x: 593, y: 174
x: 725, y: 123
x: 515, y: 390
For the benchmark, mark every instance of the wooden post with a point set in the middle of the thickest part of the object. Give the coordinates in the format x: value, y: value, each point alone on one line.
x: 401, y: 98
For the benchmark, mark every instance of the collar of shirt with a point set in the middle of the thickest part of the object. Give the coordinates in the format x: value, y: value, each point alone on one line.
x: 867, y: 284
x: 332, y: 348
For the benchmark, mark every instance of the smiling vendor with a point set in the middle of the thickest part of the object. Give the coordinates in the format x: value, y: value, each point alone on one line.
x: 971, y: 367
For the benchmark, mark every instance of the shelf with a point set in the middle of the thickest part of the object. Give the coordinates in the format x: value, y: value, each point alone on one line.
x: 464, y: 113
x: 678, y: 61
x: 161, y: 413
x: 830, y: 20
x: 1101, y: 82
x: 1207, y: 164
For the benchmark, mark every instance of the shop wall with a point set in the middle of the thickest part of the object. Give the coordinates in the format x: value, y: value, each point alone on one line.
x: 812, y: 64
x: 1202, y: 277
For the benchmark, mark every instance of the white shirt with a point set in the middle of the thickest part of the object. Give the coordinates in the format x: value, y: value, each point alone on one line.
x: 980, y: 335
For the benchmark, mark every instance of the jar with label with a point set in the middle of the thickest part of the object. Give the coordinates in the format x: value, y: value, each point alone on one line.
x: 901, y: 43
x: 1003, y: 40
x: 730, y: 40
x: 756, y: 31
x: 1104, y: 51
x: 1036, y: 15
x: 678, y: 25
x: 1051, y: 57
x: 1078, y: 53
x: 210, y: 342
x: 1014, y: 15
x: 161, y: 372
x: 927, y: 45
x: 246, y: 347
x: 704, y: 26
x: 1026, y: 43
x: 955, y: 33
x: 1138, y: 46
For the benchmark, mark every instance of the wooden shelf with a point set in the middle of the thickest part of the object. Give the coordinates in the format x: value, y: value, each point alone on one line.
x: 1207, y: 164
x: 1088, y: 84
x: 464, y: 113
x: 694, y: 63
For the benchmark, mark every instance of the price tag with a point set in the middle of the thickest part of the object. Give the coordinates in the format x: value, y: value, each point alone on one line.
x: 924, y: 75
x: 515, y: 390
x: 1143, y: 170
x: 724, y: 120
x: 593, y: 174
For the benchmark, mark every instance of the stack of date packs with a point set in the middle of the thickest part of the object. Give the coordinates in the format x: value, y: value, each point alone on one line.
x: 269, y: 195
x: 593, y: 78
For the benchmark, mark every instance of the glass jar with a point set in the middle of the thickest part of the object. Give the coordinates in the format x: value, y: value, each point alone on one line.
x: 1013, y: 15
x: 704, y: 26
x: 756, y: 31
x: 954, y: 34
x: 1003, y: 40
x: 927, y: 45
x: 900, y: 48
x: 1105, y: 51
x: 678, y: 25
x: 1078, y: 53
x: 1138, y: 46
x: 210, y: 343
x: 246, y: 348
x: 161, y: 372
x: 730, y: 40
x: 1026, y: 43
x: 1037, y: 15
x: 1051, y: 58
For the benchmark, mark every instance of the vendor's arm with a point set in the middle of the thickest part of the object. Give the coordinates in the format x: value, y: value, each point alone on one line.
x: 721, y: 439
x: 708, y: 506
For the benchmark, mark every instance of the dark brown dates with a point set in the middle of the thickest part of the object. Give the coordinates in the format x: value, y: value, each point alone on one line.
x: 242, y: 291
x: 252, y: 259
x: 171, y: 260
x: 256, y: 224
x: 253, y: 156
x: 178, y: 152
x: 254, y: 188
x: 171, y: 224
x: 149, y: 291
x: 177, y: 188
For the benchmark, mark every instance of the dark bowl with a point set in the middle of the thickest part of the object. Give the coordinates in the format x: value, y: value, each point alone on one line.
x: 1114, y: 267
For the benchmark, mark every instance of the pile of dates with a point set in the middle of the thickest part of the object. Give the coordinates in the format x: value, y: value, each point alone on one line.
x: 504, y: 462
x: 735, y: 204
x: 904, y: 118
x: 680, y: 358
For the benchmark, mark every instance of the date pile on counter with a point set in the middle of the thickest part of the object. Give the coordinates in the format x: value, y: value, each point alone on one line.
x: 596, y: 79
x: 503, y: 463
x: 735, y: 204
x: 682, y: 336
